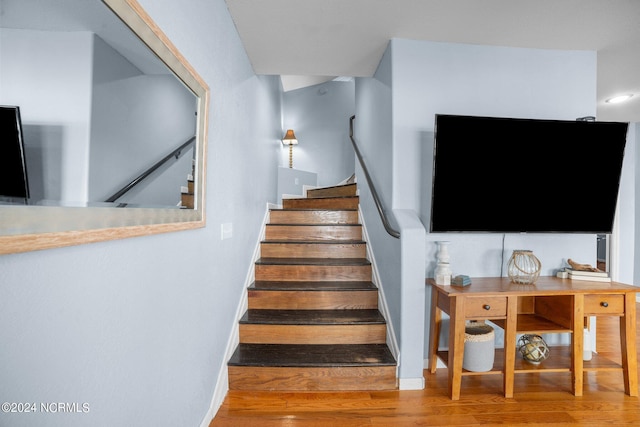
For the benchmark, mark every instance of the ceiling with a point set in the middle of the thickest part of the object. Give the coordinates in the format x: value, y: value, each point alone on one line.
x: 312, y: 41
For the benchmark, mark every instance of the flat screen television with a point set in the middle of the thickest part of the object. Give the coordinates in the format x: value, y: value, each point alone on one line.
x: 14, y: 183
x: 515, y: 175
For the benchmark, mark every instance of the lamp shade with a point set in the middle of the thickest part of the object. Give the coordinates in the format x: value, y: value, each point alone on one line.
x: 290, y: 138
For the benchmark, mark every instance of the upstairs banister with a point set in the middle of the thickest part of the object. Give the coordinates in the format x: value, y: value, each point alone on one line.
x: 383, y: 216
x: 143, y: 175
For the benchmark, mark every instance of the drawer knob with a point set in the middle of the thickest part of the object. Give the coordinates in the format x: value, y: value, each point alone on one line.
x: 486, y: 307
x: 604, y: 304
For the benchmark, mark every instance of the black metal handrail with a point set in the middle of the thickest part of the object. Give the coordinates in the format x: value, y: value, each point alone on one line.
x: 175, y: 153
x: 383, y: 216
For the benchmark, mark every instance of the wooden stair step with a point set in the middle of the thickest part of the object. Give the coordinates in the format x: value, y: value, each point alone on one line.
x: 312, y: 286
x: 334, y: 191
x: 312, y: 355
x: 308, y: 232
x: 314, y: 261
x: 312, y: 317
x: 312, y: 295
x: 349, y: 202
x: 312, y: 269
x: 312, y: 327
x: 295, y: 367
x: 187, y: 200
x: 314, y: 216
x: 313, y: 249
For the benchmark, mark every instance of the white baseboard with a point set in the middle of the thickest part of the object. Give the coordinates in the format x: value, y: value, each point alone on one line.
x: 411, y: 383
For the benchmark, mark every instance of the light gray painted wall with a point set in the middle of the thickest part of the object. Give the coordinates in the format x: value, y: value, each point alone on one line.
x: 291, y: 181
x: 56, y: 119
x: 428, y: 78
x: 138, y: 328
x: 432, y: 78
x: 319, y: 116
x: 625, y: 258
x: 137, y: 120
x: 373, y: 133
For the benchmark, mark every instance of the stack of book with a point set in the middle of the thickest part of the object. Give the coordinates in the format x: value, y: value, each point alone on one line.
x: 593, y: 276
x: 461, y: 280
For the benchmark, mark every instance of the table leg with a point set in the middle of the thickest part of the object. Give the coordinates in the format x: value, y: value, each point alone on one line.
x: 456, y: 345
x: 510, y: 331
x: 628, y: 345
x: 434, y: 330
x: 577, y: 345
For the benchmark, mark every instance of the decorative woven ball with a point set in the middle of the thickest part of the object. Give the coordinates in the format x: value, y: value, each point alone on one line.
x: 533, y: 348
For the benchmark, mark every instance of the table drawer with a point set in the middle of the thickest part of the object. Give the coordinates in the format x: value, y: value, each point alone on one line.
x: 479, y: 307
x: 604, y: 304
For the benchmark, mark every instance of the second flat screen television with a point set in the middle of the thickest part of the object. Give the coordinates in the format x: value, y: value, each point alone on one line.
x: 14, y: 183
x: 513, y: 175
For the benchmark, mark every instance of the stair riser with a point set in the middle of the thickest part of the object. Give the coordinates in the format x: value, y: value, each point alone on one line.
x: 187, y: 200
x: 311, y: 250
x: 313, y: 232
x: 341, y: 191
x: 313, y: 217
x: 311, y: 273
x: 311, y: 379
x: 328, y: 203
x: 313, y: 300
x: 313, y: 334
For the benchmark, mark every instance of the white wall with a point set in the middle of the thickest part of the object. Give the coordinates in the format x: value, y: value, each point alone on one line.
x: 138, y: 328
x: 319, y: 115
x: 55, y: 118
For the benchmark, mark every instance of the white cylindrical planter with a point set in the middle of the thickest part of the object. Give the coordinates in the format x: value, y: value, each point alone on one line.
x: 479, y: 348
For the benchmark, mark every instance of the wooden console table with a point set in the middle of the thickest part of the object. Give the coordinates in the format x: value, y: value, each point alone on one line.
x: 551, y: 305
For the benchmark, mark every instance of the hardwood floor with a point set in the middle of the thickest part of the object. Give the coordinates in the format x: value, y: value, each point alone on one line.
x: 539, y: 400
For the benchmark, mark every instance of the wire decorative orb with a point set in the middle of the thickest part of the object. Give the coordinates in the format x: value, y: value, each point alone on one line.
x: 523, y: 267
x: 533, y: 348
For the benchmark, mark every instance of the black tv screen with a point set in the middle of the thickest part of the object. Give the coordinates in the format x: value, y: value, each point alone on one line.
x: 513, y: 175
x: 12, y: 160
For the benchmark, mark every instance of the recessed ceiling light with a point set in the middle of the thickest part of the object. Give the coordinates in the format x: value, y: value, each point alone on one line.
x: 618, y: 99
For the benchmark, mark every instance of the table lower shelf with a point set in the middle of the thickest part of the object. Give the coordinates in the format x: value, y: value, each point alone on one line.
x: 559, y: 360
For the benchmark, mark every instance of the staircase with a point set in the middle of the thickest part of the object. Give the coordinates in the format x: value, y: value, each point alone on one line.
x: 313, y: 321
x: 187, y: 195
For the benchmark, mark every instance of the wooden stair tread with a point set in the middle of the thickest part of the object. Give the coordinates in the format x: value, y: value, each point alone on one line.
x: 346, y: 202
x: 311, y: 209
x: 314, y: 261
x: 313, y: 317
x: 323, y: 197
x: 312, y: 355
x: 312, y: 286
x: 314, y: 225
x: 315, y: 242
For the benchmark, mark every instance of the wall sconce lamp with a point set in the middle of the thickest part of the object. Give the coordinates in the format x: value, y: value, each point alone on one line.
x: 290, y: 140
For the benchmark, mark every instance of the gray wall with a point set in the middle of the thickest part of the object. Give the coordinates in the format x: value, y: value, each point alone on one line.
x: 136, y: 120
x: 56, y: 118
x: 395, y: 114
x: 138, y: 328
x: 319, y: 115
